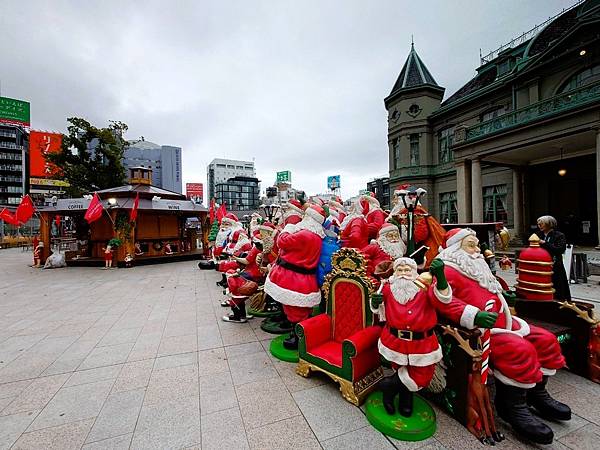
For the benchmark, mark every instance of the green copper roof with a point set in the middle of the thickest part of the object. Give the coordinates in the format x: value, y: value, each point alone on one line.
x: 414, y: 73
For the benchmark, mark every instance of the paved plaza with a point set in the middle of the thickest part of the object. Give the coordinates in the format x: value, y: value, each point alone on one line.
x: 139, y: 358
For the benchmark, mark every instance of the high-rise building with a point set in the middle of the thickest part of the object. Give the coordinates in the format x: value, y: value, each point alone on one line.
x: 164, y: 160
x: 14, y: 171
x: 221, y: 170
x: 239, y: 193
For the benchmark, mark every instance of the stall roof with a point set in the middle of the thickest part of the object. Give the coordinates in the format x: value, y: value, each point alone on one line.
x: 130, y: 189
x: 71, y: 205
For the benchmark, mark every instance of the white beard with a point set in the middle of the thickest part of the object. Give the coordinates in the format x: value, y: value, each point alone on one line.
x: 221, y: 236
x: 307, y: 223
x: 472, y: 266
x: 403, y: 289
x: 394, y: 249
x: 243, y: 240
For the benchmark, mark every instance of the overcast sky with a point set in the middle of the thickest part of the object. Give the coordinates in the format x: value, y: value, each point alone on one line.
x: 292, y: 85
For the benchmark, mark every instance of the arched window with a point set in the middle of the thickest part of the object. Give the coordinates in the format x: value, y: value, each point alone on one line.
x: 583, y: 78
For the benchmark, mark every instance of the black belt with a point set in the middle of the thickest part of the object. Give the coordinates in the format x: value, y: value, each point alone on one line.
x: 409, y: 335
x: 294, y: 268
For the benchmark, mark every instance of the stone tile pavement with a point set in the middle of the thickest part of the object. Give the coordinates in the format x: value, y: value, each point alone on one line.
x: 139, y: 358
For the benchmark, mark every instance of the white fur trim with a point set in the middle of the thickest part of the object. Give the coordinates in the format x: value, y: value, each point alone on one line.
x: 294, y: 208
x: 291, y: 298
x: 290, y: 228
x: 379, y: 311
x: 407, y: 380
x: 228, y: 220
x: 467, y: 319
x: 377, y: 208
x: 386, y: 228
x: 441, y: 297
x: 459, y: 236
x: 547, y: 372
x: 413, y: 359
x: 510, y: 382
x: 315, y: 215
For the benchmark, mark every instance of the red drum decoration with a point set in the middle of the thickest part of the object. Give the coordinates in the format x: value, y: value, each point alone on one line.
x: 534, y: 281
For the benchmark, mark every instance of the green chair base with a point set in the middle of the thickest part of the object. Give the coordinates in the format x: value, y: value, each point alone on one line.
x: 280, y: 352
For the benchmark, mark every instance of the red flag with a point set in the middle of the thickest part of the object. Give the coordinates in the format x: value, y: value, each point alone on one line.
x: 57, y: 220
x: 25, y: 210
x: 133, y: 213
x: 8, y: 217
x: 211, y: 211
x: 221, y: 212
x: 94, y: 211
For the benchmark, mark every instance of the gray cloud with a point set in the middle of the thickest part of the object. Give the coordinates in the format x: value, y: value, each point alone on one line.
x: 296, y: 85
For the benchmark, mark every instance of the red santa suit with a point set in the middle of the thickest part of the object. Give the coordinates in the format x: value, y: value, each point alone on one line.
x: 520, y: 354
x: 355, y: 232
x: 375, y: 255
x: 293, y: 281
x: 240, y: 245
x: 414, y: 357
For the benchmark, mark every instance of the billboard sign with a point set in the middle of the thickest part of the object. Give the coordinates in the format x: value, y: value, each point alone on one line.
x: 40, y: 144
x: 14, y: 112
x: 333, y: 182
x: 284, y: 177
x: 194, y: 191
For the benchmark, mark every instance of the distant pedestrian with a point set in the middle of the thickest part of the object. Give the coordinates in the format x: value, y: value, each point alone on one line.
x: 556, y: 244
x: 108, y: 256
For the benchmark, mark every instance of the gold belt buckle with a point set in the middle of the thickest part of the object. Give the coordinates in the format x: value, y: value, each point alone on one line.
x: 410, y: 335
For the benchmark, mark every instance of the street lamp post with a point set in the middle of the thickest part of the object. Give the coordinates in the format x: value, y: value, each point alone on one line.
x: 414, y: 197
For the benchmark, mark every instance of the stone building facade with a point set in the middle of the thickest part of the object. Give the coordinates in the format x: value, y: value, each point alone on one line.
x: 519, y: 140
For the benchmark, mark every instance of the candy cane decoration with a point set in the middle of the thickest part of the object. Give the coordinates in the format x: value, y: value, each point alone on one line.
x: 485, y: 342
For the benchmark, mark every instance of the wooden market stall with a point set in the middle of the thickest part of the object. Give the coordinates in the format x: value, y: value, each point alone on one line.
x: 159, y: 233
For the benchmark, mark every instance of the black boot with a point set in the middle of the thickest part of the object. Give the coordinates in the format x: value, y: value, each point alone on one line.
x: 390, y: 386
x: 206, y: 264
x: 546, y: 406
x: 405, y: 401
x: 291, y: 343
x: 512, y: 407
x: 223, y: 281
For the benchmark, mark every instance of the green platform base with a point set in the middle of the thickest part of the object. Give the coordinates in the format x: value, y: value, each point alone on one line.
x: 274, y: 327
x: 280, y: 352
x: 261, y: 313
x: 418, y: 427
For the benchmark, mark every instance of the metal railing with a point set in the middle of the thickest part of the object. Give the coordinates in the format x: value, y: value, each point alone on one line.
x: 523, y: 37
x: 556, y: 105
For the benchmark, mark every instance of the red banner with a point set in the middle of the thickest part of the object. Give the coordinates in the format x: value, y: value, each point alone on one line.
x: 25, y: 210
x: 133, y: 213
x: 40, y: 144
x: 94, y: 211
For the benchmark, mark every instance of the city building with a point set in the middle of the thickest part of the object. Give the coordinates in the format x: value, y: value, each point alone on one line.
x: 381, y: 188
x: 519, y: 140
x: 164, y: 160
x: 14, y: 170
x: 239, y: 193
x: 221, y: 170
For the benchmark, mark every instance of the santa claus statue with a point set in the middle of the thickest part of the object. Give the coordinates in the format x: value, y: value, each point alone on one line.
x: 521, y: 356
x: 373, y: 213
x: 336, y: 208
x: 408, y: 339
x: 228, y: 224
x: 239, y: 245
x: 388, y: 247
x: 292, y: 212
x: 354, y: 230
x: 293, y: 281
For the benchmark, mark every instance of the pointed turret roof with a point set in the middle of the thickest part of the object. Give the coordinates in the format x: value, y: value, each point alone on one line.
x: 414, y: 73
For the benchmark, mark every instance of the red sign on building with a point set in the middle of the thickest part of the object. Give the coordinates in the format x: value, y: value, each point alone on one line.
x: 194, y: 191
x: 40, y: 144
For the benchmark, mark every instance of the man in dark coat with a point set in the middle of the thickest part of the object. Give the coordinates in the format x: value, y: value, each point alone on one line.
x: 555, y: 243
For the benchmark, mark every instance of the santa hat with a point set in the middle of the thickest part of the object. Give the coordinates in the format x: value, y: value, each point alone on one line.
x: 386, y: 228
x: 256, y: 236
x: 316, y: 212
x: 230, y: 219
x: 266, y: 226
x: 238, y: 234
x: 295, y: 205
x: 405, y: 261
x: 336, y: 202
x: 455, y: 236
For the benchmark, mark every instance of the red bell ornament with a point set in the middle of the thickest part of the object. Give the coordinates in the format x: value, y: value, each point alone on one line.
x: 534, y: 279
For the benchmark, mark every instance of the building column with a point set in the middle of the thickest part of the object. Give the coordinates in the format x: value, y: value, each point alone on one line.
x: 476, y: 191
x: 517, y: 188
x: 463, y: 192
x: 598, y: 182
